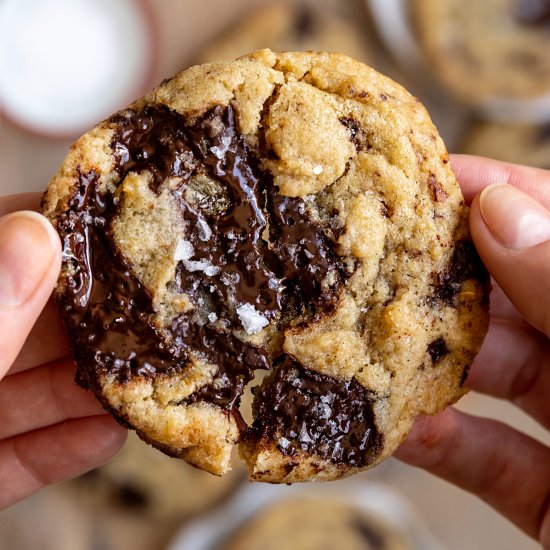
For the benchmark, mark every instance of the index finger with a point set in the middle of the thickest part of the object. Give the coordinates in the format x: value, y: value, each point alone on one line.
x: 46, y: 341
x: 476, y: 173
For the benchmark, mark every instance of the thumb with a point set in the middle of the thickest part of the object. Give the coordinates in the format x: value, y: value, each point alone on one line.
x: 511, y: 231
x: 30, y: 259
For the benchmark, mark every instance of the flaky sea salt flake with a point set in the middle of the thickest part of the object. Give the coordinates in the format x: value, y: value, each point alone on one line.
x: 222, y: 149
x: 211, y: 270
x: 204, y: 230
x: 184, y: 250
x: 201, y: 265
x: 252, y: 321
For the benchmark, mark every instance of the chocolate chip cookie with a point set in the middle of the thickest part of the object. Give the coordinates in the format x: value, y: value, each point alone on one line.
x: 146, y: 483
x: 309, y: 523
x: 527, y: 144
x: 494, y: 48
x: 285, y: 26
x: 289, y: 215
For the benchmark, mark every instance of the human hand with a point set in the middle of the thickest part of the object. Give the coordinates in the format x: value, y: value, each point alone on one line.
x: 507, y: 469
x: 50, y: 429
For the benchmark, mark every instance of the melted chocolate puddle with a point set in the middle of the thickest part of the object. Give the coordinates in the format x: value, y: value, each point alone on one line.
x: 229, y: 263
x: 465, y: 264
x: 312, y: 412
x: 106, y: 305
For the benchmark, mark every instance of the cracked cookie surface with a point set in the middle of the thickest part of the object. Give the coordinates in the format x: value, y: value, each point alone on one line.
x: 293, y: 214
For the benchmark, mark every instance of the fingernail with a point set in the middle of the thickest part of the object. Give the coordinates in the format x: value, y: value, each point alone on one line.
x: 514, y: 218
x: 27, y: 249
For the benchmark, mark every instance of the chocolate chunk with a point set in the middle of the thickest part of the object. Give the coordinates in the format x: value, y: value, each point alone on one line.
x: 358, y: 135
x: 235, y: 359
x: 234, y: 240
x: 317, y: 414
x: 231, y: 240
x: 438, y: 349
x: 527, y: 62
x: 153, y: 139
x: 107, y: 306
x: 533, y: 12
x: 465, y: 264
x: 111, y: 330
x: 304, y: 21
x: 301, y: 255
x: 464, y: 376
x: 373, y: 538
x: 436, y: 189
x: 289, y: 467
x: 110, y: 311
x: 130, y: 496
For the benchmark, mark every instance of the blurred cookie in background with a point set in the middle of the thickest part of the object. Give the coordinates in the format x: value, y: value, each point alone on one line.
x: 288, y: 27
x: 143, y: 481
x: 305, y: 523
x: 517, y: 143
x: 485, y: 50
x: 138, y: 501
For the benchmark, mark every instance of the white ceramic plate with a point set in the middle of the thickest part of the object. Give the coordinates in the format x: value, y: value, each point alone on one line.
x: 392, y: 21
x: 66, y: 64
x: 209, y: 531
